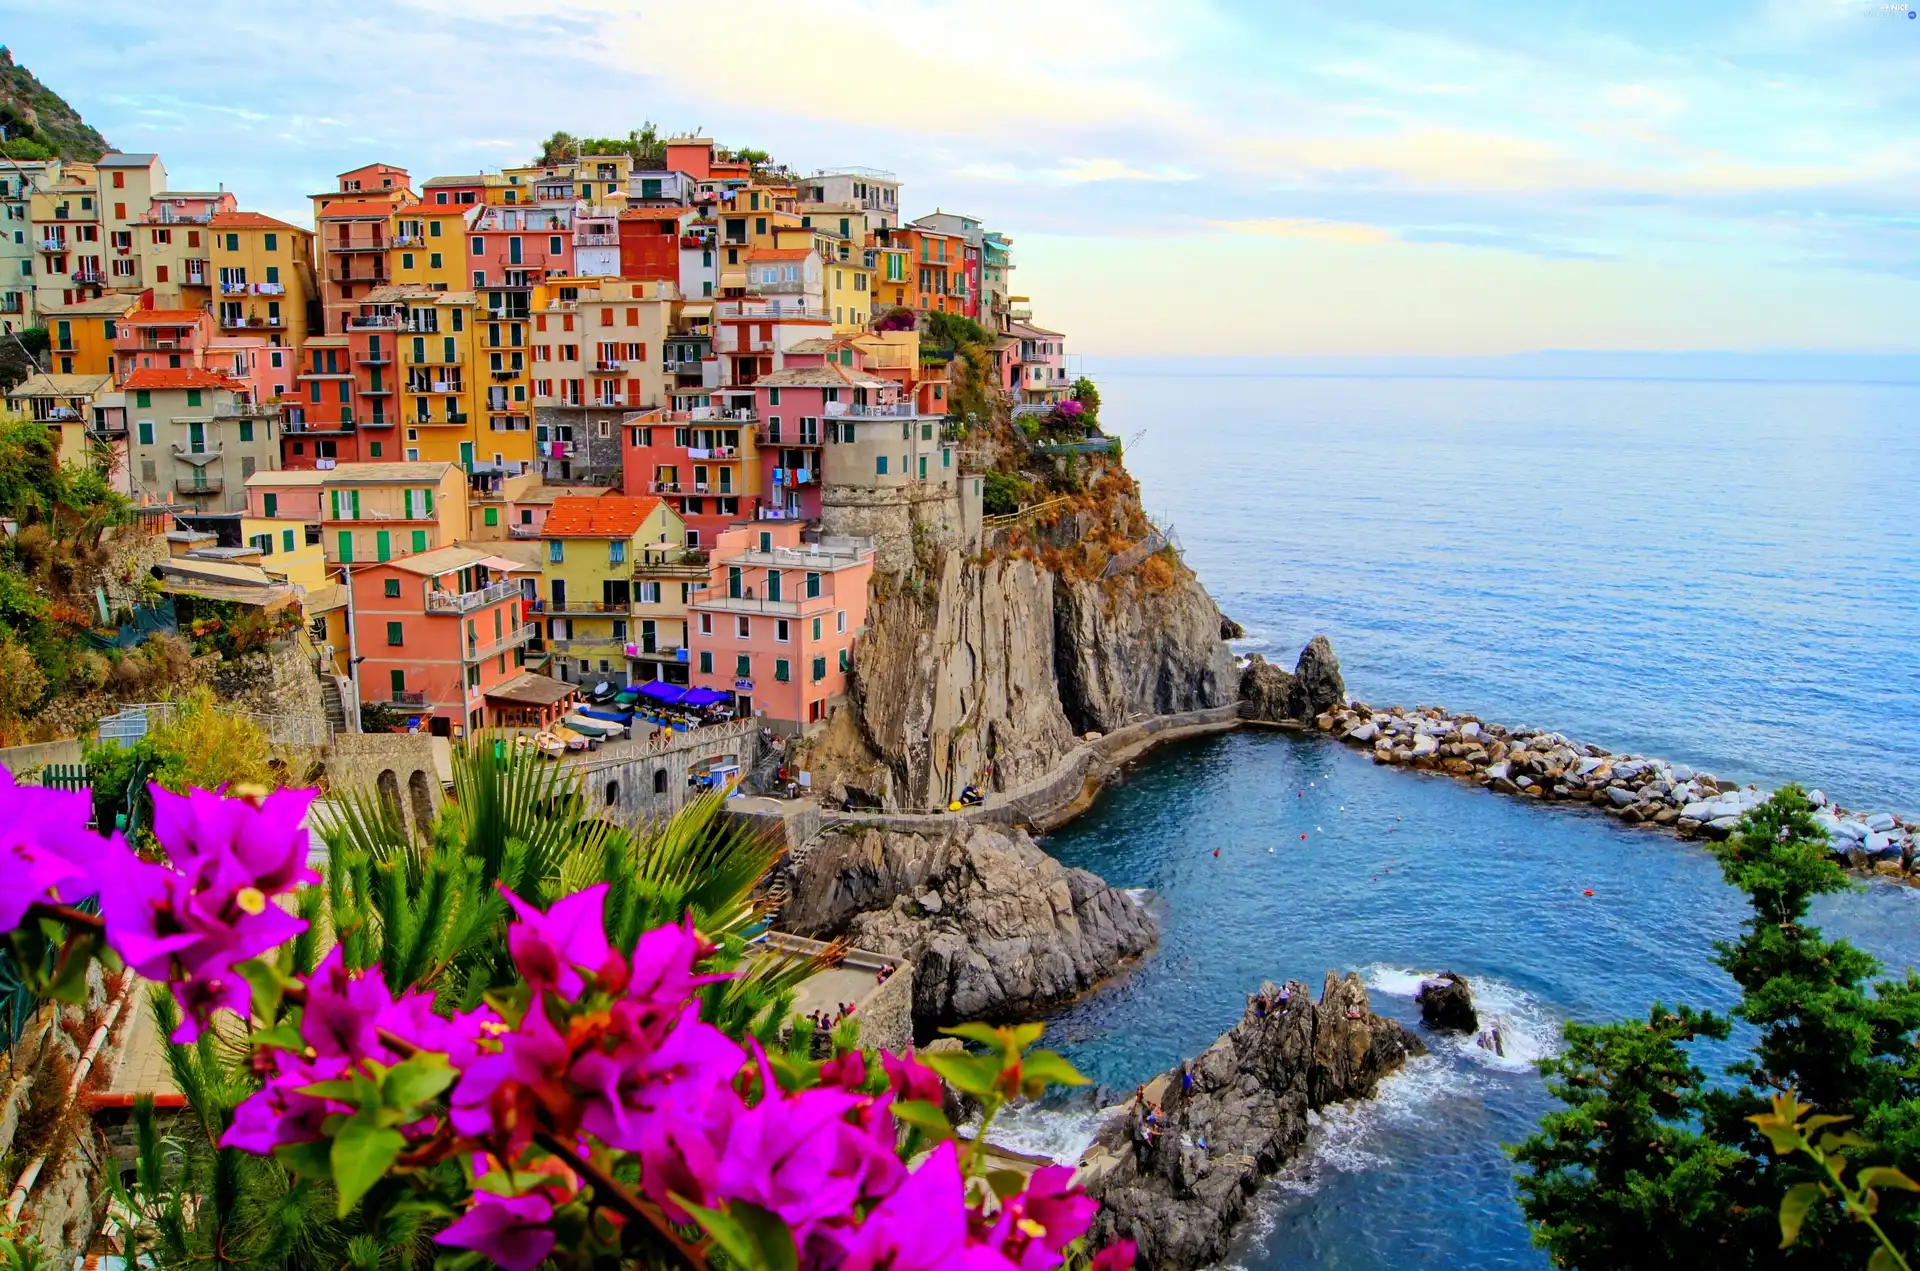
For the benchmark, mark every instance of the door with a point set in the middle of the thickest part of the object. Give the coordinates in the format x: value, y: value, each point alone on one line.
x: 742, y: 706
x: 346, y: 547
x: 383, y: 546
x: 399, y: 685
x: 197, y: 438
x: 466, y: 456
x: 559, y: 595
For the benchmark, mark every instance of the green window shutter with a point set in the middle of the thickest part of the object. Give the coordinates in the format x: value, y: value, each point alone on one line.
x: 382, y: 545
x: 446, y: 348
x: 354, y: 497
x: 395, y: 633
x: 193, y: 397
x: 743, y: 666
x: 846, y: 660
x: 429, y: 495
x: 393, y: 589
x: 419, y: 540
x: 398, y: 679
x: 286, y: 540
x: 246, y: 430
x: 813, y: 591
x: 819, y: 669
x: 706, y: 663
x: 493, y: 516
x: 816, y: 628
x: 336, y: 503
x: 142, y: 398
x: 346, y: 545
x: 273, y: 274
x: 780, y: 670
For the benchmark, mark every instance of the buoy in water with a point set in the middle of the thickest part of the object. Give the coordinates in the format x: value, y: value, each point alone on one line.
x: 1216, y: 852
x: 1303, y: 836
x: 1587, y: 892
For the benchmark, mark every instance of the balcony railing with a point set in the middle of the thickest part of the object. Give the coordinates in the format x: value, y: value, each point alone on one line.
x: 609, y: 368
x: 570, y: 605
x: 85, y: 275
x: 375, y: 359
x: 466, y: 601
x: 245, y: 410
x: 318, y: 426
x: 408, y: 697
x: 409, y: 240
x: 513, y: 639
x: 714, y: 598
x: 186, y: 485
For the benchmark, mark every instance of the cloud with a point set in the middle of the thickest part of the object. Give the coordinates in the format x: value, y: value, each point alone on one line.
x: 1303, y: 227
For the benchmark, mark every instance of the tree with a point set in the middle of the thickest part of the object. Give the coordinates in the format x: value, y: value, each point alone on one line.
x: 1652, y: 1163
x: 1088, y: 395
x: 558, y: 148
x: 23, y: 353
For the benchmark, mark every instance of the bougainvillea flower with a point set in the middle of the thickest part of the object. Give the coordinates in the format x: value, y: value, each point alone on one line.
x: 922, y: 1226
x: 343, y: 1010
x: 1117, y: 1256
x: 781, y: 1155
x: 911, y: 1079
x: 510, y: 1231
x: 506, y: 1092
x: 663, y: 962
x: 46, y: 849
x: 552, y: 948
x: 634, y: 1077
x: 279, y: 1112
x: 1033, y: 1229
x: 206, y: 834
x: 848, y: 1071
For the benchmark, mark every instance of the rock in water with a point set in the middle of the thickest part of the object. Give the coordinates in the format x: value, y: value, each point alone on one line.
x: 1317, y: 685
x: 1266, y: 690
x: 993, y: 926
x: 1177, y: 1186
x: 1446, y: 1003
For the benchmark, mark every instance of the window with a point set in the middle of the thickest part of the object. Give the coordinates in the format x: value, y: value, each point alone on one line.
x: 813, y: 591
x: 780, y: 671
x: 819, y: 669
x: 142, y: 398
x: 617, y: 552
x: 556, y: 551
x: 880, y: 465
x: 479, y: 249
x: 395, y: 633
x: 706, y: 662
x: 419, y: 540
x: 741, y: 627
x: 816, y: 628
x: 840, y: 622
x: 554, y: 246
x: 146, y: 430
x: 246, y: 430
x: 393, y: 588
x: 706, y: 624
x: 743, y: 666
x: 493, y: 516
x: 433, y: 258
x: 846, y: 659
x: 780, y: 630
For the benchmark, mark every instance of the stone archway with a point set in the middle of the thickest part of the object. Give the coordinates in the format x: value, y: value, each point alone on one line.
x: 388, y: 784
x: 659, y: 780
x: 420, y: 794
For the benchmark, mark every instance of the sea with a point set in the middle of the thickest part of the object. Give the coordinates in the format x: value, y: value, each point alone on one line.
x: 1715, y: 563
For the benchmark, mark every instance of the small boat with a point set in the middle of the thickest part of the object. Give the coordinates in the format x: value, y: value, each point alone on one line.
x: 592, y: 728
x: 603, y: 691
x: 604, y: 714
x: 549, y: 745
x: 571, y: 739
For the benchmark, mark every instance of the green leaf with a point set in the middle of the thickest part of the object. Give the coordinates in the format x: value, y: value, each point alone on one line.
x: 740, y: 1245
x: 267, y: 983
x: 1006, y: 1182
x: 1800, y: 1198
x: 282, y: 1036
x: 1051, y: 1068
x: 1025, y: 1035
x: 415, y: 1080
x: 308, y: 1160
x: 1884, y: 1259
x: 923, y: 1115
x: 1834, y: 1142
x: 362, y: 1154
x: 775, y: 1241
x: 985, y: 1034
x: 342, y: 1090
x: 69, y: 982
x: 969, y: 1074
x: 1885, y: 1176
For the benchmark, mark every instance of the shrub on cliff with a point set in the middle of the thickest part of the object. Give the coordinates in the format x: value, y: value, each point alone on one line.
x: 1652, y: 1163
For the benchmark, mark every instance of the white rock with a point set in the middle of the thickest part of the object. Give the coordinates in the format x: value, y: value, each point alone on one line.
x: 1498, y: 770
x: 1700, y: 810
x: 1621, y: 797
x: 1682, y: 773
x: 1880, y: 822
x: 1470, y: 730
x: 1878, y: 844
x: 1365, y: 732
x: 1586, y: 765
x: 1425, y: 744
x: 1818, y: 798
x: 1725, y: 824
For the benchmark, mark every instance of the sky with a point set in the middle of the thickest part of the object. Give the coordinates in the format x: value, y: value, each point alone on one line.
x: 1179, y: 177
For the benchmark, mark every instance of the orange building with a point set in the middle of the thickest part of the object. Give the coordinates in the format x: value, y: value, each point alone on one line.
x: 435, y: 632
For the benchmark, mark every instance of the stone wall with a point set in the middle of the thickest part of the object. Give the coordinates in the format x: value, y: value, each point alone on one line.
x: 896, y: 518
x: 645, y: 781
x: 279, y: 680
x: 593, y: 459
x: 24, y: 759
x: 408, y: 770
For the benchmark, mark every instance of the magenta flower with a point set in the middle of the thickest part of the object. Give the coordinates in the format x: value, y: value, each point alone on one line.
x: 782, y: 1155
x: 344, y: 1009
x: 911, y: 1079
x: 637, y: 1076
x: 207, y: 834
x: 1033, y: 1229
x: 280, y: 1112
x: 498, y: 1092
x: 510, y: 1231
x: 663, y: 960
x: 920, y: 1227
x: 1117, y: 1256
x: 552, y: 948
x: 46, y: 849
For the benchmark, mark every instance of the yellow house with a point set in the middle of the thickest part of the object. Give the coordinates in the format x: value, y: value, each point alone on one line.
x: 441, y: 385
x: 80, y: 336
x: 67, y: 239
x: 66, y: 403
x: 846, y: 278
x: 368, y: 511
x: 429, y: 246
x: 288, y: 550
x: 262, y: 276
x: 596, y: 550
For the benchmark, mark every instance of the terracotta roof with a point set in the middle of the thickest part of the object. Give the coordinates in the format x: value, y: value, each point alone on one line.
x: 655, y: 213
x: 45, y: 385
x: 359, y: 207
x: 167, y: 317
x: 528, y: 689
x: 249, y: 220
x: 611, y: 516
x: 178, y: 377
x: 110, y: 303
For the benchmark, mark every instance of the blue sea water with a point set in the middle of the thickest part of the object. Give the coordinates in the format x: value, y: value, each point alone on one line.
x: 1724, y: 574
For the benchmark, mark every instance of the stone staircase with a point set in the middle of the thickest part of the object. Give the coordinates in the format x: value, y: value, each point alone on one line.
x: 335, y: 703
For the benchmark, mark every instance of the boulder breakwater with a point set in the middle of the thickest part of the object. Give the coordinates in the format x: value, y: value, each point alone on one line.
x: 1535, y: 763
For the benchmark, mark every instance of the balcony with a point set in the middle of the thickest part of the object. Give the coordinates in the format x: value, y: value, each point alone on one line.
x: 408, y: 697
x: 190, y: 487
x: 512, y: 640
x: 375, y: 358
x: 467, y: 601
x: 505, y: 377
x: 712, y: 598
x: 373, y: 322
x: 88, y: 276
x: 457, y: 417
x: 418, y: 385
x: 245, y: 410
x: 609, y: 368
x: 596, y: 240
x: 379, y: 421
x: 369, y: 245
x: 233, y: 288
x: 885, y: 410
x: 349, y: 276
x: 409, y: 240
x: 324, y: 427
x: 204, y: 453
x: 571, y: 605
x: 523, y: 531
x: 53, y: 244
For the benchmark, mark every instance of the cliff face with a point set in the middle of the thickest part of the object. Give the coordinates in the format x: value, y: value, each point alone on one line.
x: 984, y: 668
x: 993, y: 927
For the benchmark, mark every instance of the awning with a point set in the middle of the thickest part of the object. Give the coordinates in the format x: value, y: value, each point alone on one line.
x: 680, y: 695
x: 504, y: 565
x: 531, y: 690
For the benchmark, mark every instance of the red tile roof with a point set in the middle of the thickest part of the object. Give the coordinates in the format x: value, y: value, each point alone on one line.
x: 248, y: 220
x: 178, y: 377
x: 167, y: 317
x: 610, y: 516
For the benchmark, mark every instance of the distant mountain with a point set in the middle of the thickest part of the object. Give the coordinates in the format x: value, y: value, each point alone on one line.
x: 39, y: 123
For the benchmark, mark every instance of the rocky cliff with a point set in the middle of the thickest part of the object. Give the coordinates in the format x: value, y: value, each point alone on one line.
x: 982, y: 667
x: 1175, y: 1169
x: 993, y: 926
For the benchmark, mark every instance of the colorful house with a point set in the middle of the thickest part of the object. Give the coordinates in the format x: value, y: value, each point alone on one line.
x: 776, y: 622
x: 81, y: 336
x: 264, y: 273
x: 435, y: 632
x: 67, y: 404
x: 1041, y: 375
x: 705, y: 464
x: 369, y: 511
x: 174, y: 240
x: 196, y: 438
x: 160, y: 339
x: 596, y: 356
x: 593, y: 547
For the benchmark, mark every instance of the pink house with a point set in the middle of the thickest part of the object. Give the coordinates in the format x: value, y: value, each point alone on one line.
x: 797, y: 407
x: 776, y: 622
x: 1040, y: 374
